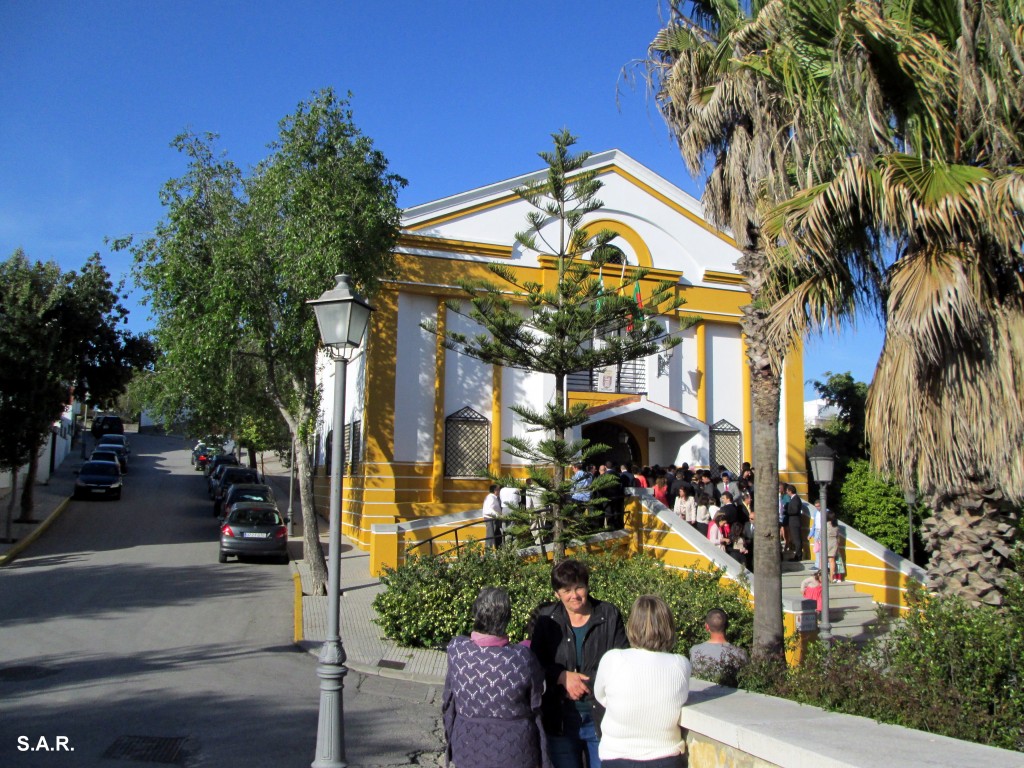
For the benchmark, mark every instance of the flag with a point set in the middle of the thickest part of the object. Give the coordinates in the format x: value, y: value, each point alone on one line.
x: 639, y: 299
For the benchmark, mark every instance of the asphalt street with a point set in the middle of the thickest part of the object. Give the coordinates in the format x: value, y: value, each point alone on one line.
x: 123, y: 642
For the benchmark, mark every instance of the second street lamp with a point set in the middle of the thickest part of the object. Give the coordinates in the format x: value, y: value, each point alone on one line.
x: 342, y: 316
x: 823, y: 463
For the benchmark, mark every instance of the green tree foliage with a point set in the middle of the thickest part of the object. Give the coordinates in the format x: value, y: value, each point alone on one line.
x: 229, y: 270
x: 844, y: 432
x: 946, y: 667
x: 429, y: 600
x: 575, y: 324
x: 875, y: 506
x: 911, y: 153
x: 59, y: 334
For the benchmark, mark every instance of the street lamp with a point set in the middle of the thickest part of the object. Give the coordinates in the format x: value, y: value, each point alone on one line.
x: 342, y: 316
x: 823, y: 463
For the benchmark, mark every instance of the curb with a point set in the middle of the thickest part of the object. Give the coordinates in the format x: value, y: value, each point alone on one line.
x: 297, y: 636
x: 10, y: 555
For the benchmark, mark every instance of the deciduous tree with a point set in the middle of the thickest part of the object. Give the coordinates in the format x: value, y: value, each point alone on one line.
x: 230, y: 268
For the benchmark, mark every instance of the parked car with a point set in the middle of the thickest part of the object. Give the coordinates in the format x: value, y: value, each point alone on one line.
x: 104, y: 425
x: 200, y: 446
x: 243, y: 493
x: 108, y: 453
x: 216, y: 461
x: 114, y: 439
x: 204, y: 457
x: 98, y: 478
x: 229, y: 477
x: 256, y: 529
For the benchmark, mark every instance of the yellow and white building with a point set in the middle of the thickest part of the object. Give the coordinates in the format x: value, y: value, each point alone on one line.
x: 422, y: 420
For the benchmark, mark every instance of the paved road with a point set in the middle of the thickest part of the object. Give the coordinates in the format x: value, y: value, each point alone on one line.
x: 121, y: 635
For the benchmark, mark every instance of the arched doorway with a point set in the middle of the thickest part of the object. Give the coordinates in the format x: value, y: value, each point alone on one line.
x: 623, y: 448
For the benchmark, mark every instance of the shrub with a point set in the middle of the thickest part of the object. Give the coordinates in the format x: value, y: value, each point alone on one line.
x: 947, y: 668
x: 429, y: 600
x: 874, y: 506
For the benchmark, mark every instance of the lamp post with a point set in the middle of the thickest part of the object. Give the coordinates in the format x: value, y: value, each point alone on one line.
x: 823, y: 463
x: 342, y: 316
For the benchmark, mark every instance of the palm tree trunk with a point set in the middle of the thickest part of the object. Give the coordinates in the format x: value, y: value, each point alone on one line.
x: 768, y: 628
x: 971, y: 535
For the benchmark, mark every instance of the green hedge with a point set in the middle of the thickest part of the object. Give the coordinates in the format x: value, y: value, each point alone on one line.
x: 874, y: 506
x: 429, y: 600
x: 947, y: 668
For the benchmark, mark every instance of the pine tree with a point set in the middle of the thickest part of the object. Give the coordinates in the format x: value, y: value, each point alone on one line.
x: 573, y: 324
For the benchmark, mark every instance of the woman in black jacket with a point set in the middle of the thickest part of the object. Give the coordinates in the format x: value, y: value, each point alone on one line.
x: 569, y: 639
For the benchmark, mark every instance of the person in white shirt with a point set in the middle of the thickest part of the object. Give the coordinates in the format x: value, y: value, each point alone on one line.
x: 492, y: 516
x: 643, y: 689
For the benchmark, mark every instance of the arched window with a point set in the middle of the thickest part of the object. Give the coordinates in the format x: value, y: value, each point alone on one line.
x: 467, y: 444
x: 726, y: 446
x: 611, y: 255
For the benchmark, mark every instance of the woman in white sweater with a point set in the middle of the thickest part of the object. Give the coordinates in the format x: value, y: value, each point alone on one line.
x: 643, y: 689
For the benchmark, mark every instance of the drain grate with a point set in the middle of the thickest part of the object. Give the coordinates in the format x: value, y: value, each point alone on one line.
x: 388, y: 664
x: 25, y: 672
x: 147, y: 749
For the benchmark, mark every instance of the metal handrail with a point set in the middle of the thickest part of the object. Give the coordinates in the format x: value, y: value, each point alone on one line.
x: 458, y: 546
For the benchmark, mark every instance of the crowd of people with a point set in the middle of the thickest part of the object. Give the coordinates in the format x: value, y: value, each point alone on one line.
x: 585, y: 688
x: 718, y: 504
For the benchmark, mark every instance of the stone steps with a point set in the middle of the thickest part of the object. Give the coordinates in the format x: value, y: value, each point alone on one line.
x: 853, y: 613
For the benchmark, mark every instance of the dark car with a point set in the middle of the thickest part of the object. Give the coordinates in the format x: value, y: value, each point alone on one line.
x: 105, y: 425
x: 114, y: 439
x: 216, y: 461
x: 254, y: 529
x: 243, y: 493
x: 205, y: 456
x: 229, y: 477
x: 119, y: 455
x: 98, y: 478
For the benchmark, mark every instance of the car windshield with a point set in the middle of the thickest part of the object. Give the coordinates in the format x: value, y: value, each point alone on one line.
x: 252, y: 496
x: 100, y: 468
x: 255, y: 517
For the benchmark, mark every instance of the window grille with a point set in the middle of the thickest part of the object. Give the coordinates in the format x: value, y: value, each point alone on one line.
x: 467, y: 444
x: 353, y: 445
x: 726, y: 446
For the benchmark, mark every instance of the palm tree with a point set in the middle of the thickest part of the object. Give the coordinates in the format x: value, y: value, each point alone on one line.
x: 718, y: 107
x: 913, y: 209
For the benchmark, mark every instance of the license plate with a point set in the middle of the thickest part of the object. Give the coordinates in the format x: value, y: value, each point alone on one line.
x: 99, y: 490
x: 254, y: 535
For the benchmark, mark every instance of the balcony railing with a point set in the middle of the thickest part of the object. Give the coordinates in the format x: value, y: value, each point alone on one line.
x: 627, y: 379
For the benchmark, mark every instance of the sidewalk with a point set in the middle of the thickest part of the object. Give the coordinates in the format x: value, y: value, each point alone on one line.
x: 50, y: 501
x: 366, y: 650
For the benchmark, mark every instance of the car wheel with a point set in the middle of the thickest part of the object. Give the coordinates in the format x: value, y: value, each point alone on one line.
x: 222, y: 558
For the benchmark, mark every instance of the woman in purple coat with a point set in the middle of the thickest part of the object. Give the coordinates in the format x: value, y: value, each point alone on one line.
x: 492, y: 693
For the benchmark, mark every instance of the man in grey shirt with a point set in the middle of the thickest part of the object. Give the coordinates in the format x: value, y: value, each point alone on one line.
x: 713, y: 659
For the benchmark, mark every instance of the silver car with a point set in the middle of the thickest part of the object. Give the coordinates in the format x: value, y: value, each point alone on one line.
x: 254, y: 529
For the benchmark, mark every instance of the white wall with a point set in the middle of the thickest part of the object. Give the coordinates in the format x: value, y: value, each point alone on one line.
x: 414, y: 379
x: 725, y: 375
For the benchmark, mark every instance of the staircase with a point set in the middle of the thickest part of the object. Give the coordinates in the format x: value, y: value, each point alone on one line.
x: 852, y: 612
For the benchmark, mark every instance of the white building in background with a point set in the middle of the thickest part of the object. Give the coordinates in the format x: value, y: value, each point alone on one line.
x: 422, y: 421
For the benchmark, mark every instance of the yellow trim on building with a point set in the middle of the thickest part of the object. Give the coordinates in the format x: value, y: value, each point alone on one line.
x: 627, y: 233
x: 437, y: 469
x: 748, y: 399
x: 448, y: 245
x: 701, y: 335
x: 685, y: 212
x: 793, y: 384
x: 379, y: 393
x: 496, y: 375
x: 725, y: 278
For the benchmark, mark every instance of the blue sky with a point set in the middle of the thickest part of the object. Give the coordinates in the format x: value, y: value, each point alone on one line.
x: 456, y: 94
